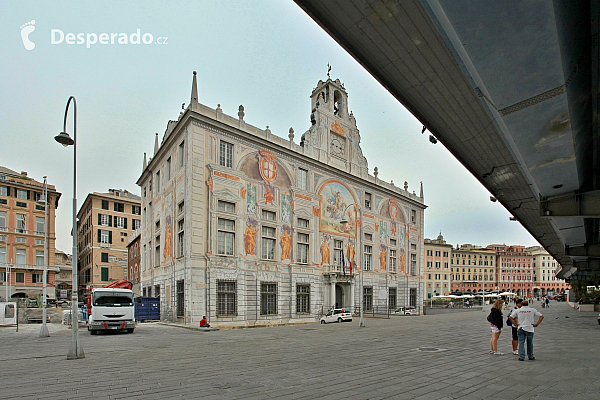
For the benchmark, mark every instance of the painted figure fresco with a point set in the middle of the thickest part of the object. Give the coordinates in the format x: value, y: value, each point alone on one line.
x: 251, y: 200
x: 350, y: 254
x: 324, y: 251
x: 168, y: 252
x: 383, y: 231
x: 382, y: 257
x: 250, y: 236
x: 286, y: 243
x: 286, y: 208
x: 336, y: 202
x: 402, y: 261
x: 393, y: 228
x: 269, y: 196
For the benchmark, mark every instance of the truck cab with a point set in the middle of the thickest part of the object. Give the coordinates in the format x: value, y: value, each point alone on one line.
x: 111, y: 309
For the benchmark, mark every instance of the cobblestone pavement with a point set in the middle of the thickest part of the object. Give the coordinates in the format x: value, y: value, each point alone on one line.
x: 442, y: 356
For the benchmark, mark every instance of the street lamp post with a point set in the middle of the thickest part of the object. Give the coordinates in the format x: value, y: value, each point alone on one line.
x: 44, y: 328
x: 358, y: 235
x: 75, y: 349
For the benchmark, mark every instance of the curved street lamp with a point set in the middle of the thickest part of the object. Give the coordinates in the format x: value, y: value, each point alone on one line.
x: 361, y: 294
x: 44, y: 328
x: 75, y: 349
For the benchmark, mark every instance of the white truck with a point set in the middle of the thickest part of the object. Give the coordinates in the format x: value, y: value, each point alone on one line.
x: 110, y: 309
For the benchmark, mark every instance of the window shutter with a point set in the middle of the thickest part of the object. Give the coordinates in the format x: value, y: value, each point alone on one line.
x: 99, y: 219
x: 125, y: 223
x: 99, y: 236
x: 110, y: 221
x: 28, y: 195
x: 110, y: 237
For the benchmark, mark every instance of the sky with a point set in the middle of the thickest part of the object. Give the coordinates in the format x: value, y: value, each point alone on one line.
x: 266, y: 55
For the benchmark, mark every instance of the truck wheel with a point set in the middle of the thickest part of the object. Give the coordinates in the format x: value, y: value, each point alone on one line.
x: 93, y: 332
x: 130, y: 330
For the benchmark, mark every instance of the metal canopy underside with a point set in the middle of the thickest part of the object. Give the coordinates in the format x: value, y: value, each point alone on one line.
x: 508, y: 87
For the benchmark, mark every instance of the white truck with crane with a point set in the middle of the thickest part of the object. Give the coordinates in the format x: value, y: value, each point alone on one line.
x: 111, y: 308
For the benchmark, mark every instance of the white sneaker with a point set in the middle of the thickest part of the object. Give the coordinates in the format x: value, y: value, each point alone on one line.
x: 498, y: 353
x: 516, y: 353
x: 492, y: 351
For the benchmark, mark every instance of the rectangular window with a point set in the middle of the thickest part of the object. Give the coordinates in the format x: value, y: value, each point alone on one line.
x: 225, y: 237
x: 21, y: 257
x: 226, y: 298
x: 413, y: 263
x: 437, y: 253
x: 438, y: 264
x: 3, y: 191
x: 104, y: 220
x: 21, y: 223
x: 21, y: 240
x: 136, y: 223
x: 168, y: 169
x: 302, y: 179
x: 445, y: 254
x: 3, y: 221
x: 157, y: 181
x: 367, y: 200
x: 181, y: 154
x: 392, y: 299
x: 269, y: 215
x: 392, y: 242
x: 303, y: 299
x: 119, y: 207
x: 338, y: 252
x: 268, y: 242
x: 180, y: 238
x: 393, y: 261
x: 226, y: 154
x: 157, y: 251
x: 368, y: 237
x: 120, y: 222
x: 40, y: 226
x: 104, y: 274
x: 105, y: 204
x: 2, y: 276
x: 413, y: 216
x: 20, y: 277
x: 181, y: 207
x: 104, y: 257
x: 2, y: 255
x: 429, y: 252
x: 303, y: 245
x: 39, y: 257
x: 268, y: 299
x: 136, y: 210
x: 303, y: 223
x: 37, y: 278
x: 104, y: 236
x: 429, y: 264
x: 225, y: 206
x: 368, y: 257
x: 368, y: 298
x: 21, y: 194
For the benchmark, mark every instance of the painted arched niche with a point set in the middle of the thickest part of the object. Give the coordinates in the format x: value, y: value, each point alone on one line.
x: 336, y: 206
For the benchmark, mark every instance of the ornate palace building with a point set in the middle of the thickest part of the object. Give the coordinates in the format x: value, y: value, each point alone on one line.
x: 249, y: 228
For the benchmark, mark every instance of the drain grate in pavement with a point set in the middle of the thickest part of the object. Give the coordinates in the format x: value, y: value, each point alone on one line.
x: 429, y: 349
x: 309, y: 329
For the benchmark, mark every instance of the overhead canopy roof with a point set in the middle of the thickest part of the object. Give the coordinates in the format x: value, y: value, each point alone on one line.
x: 508, y: 87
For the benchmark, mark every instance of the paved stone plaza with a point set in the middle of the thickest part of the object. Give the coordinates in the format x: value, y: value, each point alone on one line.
x: 310, y: 361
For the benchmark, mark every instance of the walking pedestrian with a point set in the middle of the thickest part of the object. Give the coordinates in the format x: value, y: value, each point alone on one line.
x: 496, y: 323
x: 509, y: 322
x: 524, y: 321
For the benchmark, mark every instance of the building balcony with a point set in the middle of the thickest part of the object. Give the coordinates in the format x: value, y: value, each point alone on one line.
x: 105, y: 245
x: 338, y: 269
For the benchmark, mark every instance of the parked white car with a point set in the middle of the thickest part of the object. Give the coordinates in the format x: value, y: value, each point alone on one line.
x: 336, y: 315
x: 410, y: 310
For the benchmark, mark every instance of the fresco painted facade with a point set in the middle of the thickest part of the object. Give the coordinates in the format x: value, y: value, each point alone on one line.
x: 266, y: 230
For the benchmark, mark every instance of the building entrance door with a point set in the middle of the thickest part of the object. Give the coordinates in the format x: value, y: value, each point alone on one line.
x: 339, y: 296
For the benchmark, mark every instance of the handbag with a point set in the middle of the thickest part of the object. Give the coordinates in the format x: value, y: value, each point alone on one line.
x: 508, y: 323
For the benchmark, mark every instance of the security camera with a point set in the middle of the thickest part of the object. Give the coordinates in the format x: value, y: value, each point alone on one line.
x: 432, y: 139
x: 493, y: 199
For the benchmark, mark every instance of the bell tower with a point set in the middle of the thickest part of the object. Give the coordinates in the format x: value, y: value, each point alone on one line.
x: 333, y: 137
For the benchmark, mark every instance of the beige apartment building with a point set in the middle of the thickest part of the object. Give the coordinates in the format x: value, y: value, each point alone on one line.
x: 23, y: 214
x: 473, y: 269
x: 437, y: 271
x: 105, y: 221
x: 545, y: 267
x: 249, y: 228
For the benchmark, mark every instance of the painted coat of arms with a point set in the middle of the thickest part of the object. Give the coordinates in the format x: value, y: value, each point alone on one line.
x: 267, y: 165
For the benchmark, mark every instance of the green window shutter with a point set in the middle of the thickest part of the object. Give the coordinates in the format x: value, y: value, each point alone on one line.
x: 110, y: 237
x: 125, y: 225
x: 99, y: 219
x: 28, y: 195
x: 99, y: 236
x: 110, y: 220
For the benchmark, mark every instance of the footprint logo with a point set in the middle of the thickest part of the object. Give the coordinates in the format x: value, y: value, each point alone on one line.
x: 26, y: 29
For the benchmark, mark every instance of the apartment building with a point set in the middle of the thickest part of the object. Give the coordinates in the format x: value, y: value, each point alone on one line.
x: 23, y: 214
x: 134, y: 261
x: 248, y: 228
x: 437, y: 271
x: 515, y: 269
x: 545, y: 267
x: 473, y: 268
x: 105, y: 221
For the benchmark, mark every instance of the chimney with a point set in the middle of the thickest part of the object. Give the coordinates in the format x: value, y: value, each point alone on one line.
x: 23, y: 173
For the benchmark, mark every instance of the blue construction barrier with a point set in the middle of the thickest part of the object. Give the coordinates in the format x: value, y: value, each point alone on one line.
x: 147, y: 308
